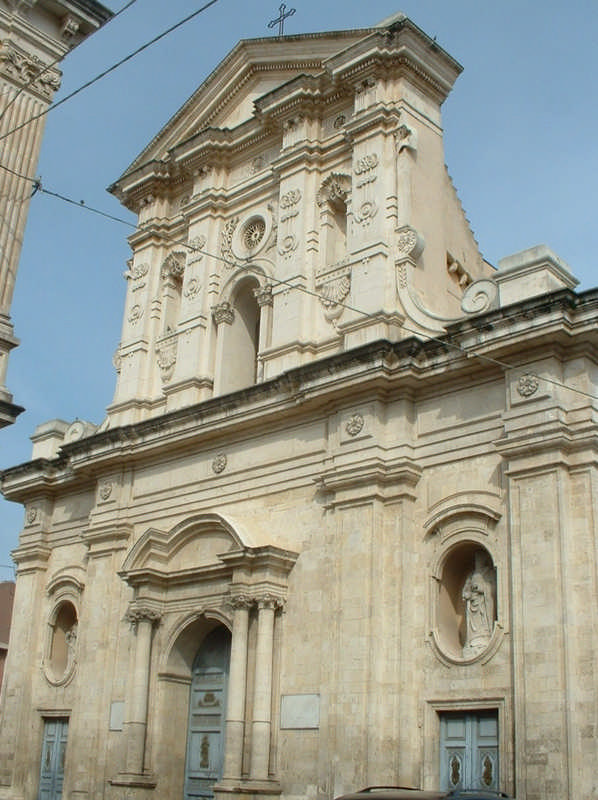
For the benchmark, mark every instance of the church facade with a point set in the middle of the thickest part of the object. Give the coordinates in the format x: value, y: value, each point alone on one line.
x: 338, y: 528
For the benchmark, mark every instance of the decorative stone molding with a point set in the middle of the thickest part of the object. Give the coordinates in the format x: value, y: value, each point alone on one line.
x: 252, y: 234
x: 196, y: 245
x: 354, y: 424
x: 136, y: 272
x: 226, y: 241
x: 263, y: 295
x: 480, y: 296
x: 219, y: 463
x: 142, y: 613
x: 70, y: 26
x: 269, y: 600
x: 31, y: 514
x: 28, y: 71
x: 117, y: 360
x: 364, y: 169
x: 405, y: 139
x: 289, y: 202
x: 528, y: 384
x: 409, y: 244
x: 105, y: 490
x: 192, y: 289
x: 173, y: 265
x: 339, y: 122
x: 366, y: 212
x: 166, y: 350
x: 458, y: 271
x: 288, y: 245
x: 336, y: 186
x: 135, y: 314
x: 333, y: 286
x: 223, y: 312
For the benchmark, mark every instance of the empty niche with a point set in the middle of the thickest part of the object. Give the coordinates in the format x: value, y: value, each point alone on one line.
x: 467, y: 613
x: 60, y: 662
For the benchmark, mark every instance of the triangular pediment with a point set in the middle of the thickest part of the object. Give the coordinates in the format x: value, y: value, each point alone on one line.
x: 254, y: 68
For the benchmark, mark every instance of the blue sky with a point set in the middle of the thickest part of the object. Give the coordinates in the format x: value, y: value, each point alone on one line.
x: 520, y: 139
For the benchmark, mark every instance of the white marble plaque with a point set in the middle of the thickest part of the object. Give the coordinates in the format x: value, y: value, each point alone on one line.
x: 117, y: 714
x: 300, y: 711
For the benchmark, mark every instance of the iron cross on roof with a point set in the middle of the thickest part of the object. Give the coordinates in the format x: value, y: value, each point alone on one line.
x: 281, y: 18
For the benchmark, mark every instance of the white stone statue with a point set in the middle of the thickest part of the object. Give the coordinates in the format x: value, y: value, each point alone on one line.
x: 479, y: 594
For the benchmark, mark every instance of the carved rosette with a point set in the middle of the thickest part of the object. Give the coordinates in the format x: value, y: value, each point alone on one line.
x: 223, y: 313
x: 354, y: 424
x: 366, y: 212
x: 528, y: 384
x: 288, y: 245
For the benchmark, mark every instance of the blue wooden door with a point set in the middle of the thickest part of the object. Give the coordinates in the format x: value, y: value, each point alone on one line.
x: 207, y: 710
x: 52, y: 765
x: 469, y: 751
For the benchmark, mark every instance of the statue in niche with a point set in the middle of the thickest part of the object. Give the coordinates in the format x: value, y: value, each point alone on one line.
x: 71, y: 641
x: 479, y: 596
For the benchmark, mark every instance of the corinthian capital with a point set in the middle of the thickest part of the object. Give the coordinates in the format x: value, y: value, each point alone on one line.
x: 142, y: 613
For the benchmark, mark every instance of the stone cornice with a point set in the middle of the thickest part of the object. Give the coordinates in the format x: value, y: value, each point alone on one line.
x: 380, y: 368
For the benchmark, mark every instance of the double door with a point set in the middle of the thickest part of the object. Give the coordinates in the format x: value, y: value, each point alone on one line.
x: 51, y: 775
x: 469, y: 751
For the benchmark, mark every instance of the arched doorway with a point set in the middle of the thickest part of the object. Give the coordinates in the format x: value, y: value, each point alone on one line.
x: 207, y: 712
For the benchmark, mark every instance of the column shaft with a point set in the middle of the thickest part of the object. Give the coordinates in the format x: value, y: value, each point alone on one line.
x: 235, y: 713
x: 262, y: 697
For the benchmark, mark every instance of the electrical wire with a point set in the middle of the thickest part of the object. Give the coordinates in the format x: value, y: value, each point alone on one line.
x: 52, y: 64
x: 110, y: 69
x: 445, y: 342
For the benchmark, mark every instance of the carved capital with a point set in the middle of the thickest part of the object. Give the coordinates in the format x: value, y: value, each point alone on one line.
x: 263, y: 295
x: 269, y: 601
x: 243, y: 601
x: 141, y: 613
x: 223, y: 312
x: 28, y: 71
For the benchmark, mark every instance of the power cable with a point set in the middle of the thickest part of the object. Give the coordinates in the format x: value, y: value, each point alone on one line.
x: 281, y: 282
x: 110, y: 69
x: 52, y: 64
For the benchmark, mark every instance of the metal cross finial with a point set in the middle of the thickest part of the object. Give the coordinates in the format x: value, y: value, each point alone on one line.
x: 281, y: 18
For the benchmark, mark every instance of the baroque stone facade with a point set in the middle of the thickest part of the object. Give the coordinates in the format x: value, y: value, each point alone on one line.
x: 338, y: 527
x: 34, y: 36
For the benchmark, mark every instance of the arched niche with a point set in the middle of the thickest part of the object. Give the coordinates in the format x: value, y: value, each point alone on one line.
x: 468, y: 593
x: 61, y: 643
x: 467, y: 604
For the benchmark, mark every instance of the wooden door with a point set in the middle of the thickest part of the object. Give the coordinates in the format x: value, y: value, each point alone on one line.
x: 52, y: 764
x: 469, y: 751
x: 207, y: 710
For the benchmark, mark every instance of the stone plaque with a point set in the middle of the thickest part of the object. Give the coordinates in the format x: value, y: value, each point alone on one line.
x: 300, y: 711
x: 117, y: 715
